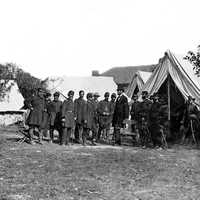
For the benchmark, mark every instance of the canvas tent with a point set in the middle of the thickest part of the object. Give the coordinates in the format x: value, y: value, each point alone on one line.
x: 10, y: 104
x: 138, y: 80
x: 13, y: 99
x: 88, y: 84
x: 175, y: 78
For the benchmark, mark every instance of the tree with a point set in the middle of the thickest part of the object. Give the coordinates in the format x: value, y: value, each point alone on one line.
x: 27, y: 83
x: 5, y: 77
x: 194, y: 58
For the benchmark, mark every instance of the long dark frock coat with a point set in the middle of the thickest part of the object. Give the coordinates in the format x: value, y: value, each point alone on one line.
x: 79, y: 109
x: 68, y: 113
x: 104, y: 111
x: 121, y: 111
x: 37, y: 107
x: 55, y: 113
x: 89, y: 115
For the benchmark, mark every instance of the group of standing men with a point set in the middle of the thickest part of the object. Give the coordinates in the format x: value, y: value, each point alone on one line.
x: 87, y: 119
x: 91, y: 119
x: 149, y: 119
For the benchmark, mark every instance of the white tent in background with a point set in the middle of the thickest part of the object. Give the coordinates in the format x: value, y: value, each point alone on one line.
x: 10, y: 105
x: 13, y: 99
x: 138, y: 80
x: 92, y: 84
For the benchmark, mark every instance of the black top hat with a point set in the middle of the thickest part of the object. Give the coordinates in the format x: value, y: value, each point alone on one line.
x: 120, y: 88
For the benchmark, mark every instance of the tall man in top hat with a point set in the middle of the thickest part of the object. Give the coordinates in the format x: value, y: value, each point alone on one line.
x: 121, y: 113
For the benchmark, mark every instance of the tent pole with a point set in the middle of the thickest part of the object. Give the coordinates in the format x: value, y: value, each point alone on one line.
x: 169, y: 105
x: 168, y: 95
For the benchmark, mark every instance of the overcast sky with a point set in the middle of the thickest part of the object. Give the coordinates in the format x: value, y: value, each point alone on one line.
x: 74, y: 37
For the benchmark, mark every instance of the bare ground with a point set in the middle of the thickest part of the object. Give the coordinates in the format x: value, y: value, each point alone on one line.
x: 102, y: 172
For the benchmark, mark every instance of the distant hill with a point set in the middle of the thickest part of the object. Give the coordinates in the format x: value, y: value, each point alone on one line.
x: 124, y: 75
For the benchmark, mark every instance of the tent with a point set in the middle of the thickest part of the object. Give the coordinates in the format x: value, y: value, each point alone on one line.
x: 174, y: 77
x: 13, y: 100
x: 10, y: 104
x: 92, y: 84
x: 138, y: 80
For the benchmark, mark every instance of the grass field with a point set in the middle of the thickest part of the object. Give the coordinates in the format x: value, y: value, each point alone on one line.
x: 101, y: 172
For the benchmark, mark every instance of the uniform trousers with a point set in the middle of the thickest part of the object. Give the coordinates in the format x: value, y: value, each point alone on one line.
x: 52, y: 128
x: 116, y: 135
x: 66, y: 134
x: 78, y: 132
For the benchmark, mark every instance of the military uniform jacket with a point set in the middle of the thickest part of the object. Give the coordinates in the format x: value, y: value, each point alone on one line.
x: 89, y: 115
x: 68, y: 113
x: 190, y: 109
x: 155, y: 112
x: 134, y: 110
x: 37, y: 108
x: 79, y: 109
x: 112, y: 107
x: 121, y: 111
x: 96, y: 116
x: 46, y: 115
x: 144, y: 107
x: 104, y: 108
x: 104, y: 111
x: 55, y: 112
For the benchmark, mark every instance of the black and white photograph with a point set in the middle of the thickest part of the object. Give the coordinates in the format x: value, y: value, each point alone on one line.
x: 100, y: 100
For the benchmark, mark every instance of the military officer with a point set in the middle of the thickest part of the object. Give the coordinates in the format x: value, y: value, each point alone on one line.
x: 88, y: 118
x: 143, y: 114
x: 55, y: 116
x: 79, y: 107
x: 68, y: 117
x: 46, y: 115
x: 37, y: 108
x: 190, y: 113
x: 154, y: 121
x: 95, y: 126
x: 112, y: 105
x: 134, y: 113
x: 104, y: 112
